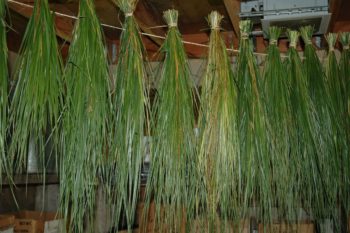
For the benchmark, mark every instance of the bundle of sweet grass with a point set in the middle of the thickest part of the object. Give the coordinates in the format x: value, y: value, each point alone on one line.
x: 306, y: 139
x: 277, y: 90
x: 37, y: 100
x: 218, y: 151
x: 86, y: 120
x: 317, y: 86
x: 344, y: 65
x: 173, y: 169
x: 3, y: 91
x: 255, y: 170
x: 338, y: 111
x: 131, y: 120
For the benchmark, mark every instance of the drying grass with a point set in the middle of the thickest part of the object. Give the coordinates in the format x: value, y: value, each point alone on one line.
x: 278, y: 105
x: 37, y: 100
x: 131, y: 121
x: 317, y: 86
x: 86, y: 119
x: 3, y: 91
x: 218, y: 152
x: 173, y: 168
x: 255, y: 171
x: 344, y: 65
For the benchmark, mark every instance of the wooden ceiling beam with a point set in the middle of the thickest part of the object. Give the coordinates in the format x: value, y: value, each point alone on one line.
x: 147, y: 19
x: 63, y: 25
x: 335, y: 7
x: 233, y: 8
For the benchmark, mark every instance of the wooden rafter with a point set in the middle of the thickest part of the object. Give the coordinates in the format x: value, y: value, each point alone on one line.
x: 233, y: 9
x: 147, y: 22
x: 334, y: 8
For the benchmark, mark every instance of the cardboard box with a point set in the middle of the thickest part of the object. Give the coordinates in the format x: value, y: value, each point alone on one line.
x: 10, y: 230
x: 301, y: 227
x: 37, y: 222
x: 201, y: 226
x: 6, y: 222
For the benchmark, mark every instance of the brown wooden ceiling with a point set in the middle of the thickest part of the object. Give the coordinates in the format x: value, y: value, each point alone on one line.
x: 192, y: 19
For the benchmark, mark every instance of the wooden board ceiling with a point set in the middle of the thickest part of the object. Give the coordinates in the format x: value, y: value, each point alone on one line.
x: 192, y: 20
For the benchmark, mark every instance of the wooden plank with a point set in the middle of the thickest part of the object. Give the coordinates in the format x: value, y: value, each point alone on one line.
x: 147, y: 19
x: 233, y: 9
x: 334, y: 8
x: 32, y: 179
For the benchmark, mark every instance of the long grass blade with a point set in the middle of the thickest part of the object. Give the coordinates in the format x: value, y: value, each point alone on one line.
x: 3, y: 92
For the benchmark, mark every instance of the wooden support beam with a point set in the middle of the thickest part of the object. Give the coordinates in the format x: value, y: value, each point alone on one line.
x: 63, y: 25
x: 335, y: 8
x: 233, y: 9
x: 147, y: 19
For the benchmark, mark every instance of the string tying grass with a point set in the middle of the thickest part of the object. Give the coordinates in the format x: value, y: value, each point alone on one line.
x: 86, y: 121
x: 37, y: 99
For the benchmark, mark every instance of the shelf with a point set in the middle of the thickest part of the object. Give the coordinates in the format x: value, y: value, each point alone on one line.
x: 32, y: 179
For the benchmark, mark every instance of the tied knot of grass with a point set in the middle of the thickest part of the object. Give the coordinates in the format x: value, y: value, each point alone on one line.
x: 171, y: 17
x: 214, y: 20
x: 274, y: 34
x: 293, y: 37
x: 331, y: 39
x: 127, y: 6
x: 306, y: 34
x: 345, y: 40
x: 245, y: 27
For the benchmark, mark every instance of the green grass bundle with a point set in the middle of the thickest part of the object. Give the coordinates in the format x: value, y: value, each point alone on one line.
x: 173, y: 169
x: 37, y: 100
x: 3, y: 91
x: 255, y: 170
x: 334, y: 85
x: 86, y: 119
x: 318, y: 92
x: 218, y: 152
x: 131, y: 103
x: 306, y: 137
x: 277, y: 90
x: 344, y: 65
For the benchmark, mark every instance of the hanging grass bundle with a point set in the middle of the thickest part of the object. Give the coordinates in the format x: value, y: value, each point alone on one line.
x: 335, y: 88
x: 37, y: 100
x: 218, y: 152
x: 306, y: 137
x: 278, y: 107
x: 86, y: 119
x: 255, y: 187
x: 344, y: 65
x: 3, y: 91
x: 317, y: 86
x: 131, y: 103
x: 173, y: 169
